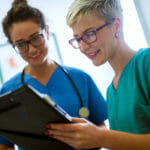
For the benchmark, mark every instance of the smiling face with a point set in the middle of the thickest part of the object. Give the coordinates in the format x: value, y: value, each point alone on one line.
x: 24, y: 31
x: 104, y: 47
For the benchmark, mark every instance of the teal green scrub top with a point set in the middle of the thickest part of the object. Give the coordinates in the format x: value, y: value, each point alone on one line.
x: 129, y: 105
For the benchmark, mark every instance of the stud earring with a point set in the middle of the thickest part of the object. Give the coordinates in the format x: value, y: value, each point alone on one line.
x: 116, y: 35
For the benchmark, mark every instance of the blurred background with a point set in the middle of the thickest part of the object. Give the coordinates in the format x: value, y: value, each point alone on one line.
x: 136, y: 28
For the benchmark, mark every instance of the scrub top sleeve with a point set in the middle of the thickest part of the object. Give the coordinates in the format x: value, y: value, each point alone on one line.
x: 4, y: 89
x: 5, y: 141
x: 97, y: 103
x: 147, y: 62
x: 1, y: 90
x: 146, y: 70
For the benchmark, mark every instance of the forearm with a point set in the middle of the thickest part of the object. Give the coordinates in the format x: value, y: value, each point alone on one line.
x: 116, y: 140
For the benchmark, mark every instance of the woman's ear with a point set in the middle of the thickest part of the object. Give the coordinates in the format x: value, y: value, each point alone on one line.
x: 118, y: 27
x: 47, y: 32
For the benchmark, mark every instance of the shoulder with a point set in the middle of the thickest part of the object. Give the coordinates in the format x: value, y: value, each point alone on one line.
x: 143, y: 53
x: 75, y: 71
x: 12, y: 84
x: 143, y: 58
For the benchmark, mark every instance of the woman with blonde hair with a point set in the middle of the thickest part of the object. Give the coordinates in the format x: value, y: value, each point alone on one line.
x: 97, y: 29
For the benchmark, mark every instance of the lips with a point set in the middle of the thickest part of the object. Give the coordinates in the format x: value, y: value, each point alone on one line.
x: 35, y: 56
x: 93, y: 54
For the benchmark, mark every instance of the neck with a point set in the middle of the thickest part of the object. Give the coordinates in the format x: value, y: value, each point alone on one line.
x: 121, y: 57
x: 40, y: 69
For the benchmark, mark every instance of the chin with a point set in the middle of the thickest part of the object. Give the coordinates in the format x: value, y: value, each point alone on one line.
x: 97, y: 63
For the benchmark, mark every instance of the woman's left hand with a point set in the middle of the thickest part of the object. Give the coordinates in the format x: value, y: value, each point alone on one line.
x: 81, y: 134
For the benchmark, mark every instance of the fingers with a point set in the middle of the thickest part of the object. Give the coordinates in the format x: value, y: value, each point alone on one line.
x: 77, y: 134
x: 55, y: 133
x: 67, y: 126
x: 72, y: 142
x: 62, y: 127
x: 71, y: 138
x: 67, y: 130
x: 74, y: 134
x: 77, y: 120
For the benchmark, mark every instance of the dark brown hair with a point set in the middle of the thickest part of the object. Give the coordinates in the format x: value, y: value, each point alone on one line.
x: 19, y: 12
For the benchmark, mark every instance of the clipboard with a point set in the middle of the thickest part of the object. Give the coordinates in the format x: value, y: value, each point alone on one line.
x: 24, y: 114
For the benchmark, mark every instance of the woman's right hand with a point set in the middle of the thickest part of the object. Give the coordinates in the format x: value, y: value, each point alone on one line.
x: 81, y: 134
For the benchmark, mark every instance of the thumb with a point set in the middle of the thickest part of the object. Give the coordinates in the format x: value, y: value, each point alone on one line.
x: 78, y: 120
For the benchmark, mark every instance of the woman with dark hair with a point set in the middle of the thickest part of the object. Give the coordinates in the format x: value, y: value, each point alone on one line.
x: 27, y: 32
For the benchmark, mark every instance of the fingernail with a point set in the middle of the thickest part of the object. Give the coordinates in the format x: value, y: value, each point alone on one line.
x: 46, y: 132
x: 48, y: 126
x: 51, y: 135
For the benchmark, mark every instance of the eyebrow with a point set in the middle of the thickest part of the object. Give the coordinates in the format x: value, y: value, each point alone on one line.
x: 20, y: 40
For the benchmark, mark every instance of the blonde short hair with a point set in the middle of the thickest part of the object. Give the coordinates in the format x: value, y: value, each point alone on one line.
x: 104, y: 9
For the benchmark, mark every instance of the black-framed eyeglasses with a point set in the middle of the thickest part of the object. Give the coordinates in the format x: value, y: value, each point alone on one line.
x: 23, y: 47
x: 88, y: 37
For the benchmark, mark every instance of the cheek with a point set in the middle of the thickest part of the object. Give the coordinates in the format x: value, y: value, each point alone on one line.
x: 45, y: 46
x: 44, y: 52
x: 24, y: 57
x: 107, y: 41
x: 45, y: 49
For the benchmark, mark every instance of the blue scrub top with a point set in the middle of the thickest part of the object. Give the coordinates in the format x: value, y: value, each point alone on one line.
x: 61, y: 90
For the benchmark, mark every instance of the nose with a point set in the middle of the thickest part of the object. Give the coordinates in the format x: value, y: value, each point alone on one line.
x: 31, y: 48
x: 83, y: 46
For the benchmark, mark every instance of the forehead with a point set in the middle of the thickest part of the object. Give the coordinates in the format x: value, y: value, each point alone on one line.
x: 23, y: 30
x: 86, y: 23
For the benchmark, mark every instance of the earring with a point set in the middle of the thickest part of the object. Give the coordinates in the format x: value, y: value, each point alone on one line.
x: 116, y: 35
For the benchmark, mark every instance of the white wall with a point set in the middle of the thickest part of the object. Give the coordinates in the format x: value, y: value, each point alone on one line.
x: 143, y: 10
